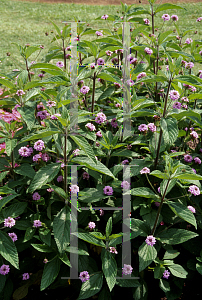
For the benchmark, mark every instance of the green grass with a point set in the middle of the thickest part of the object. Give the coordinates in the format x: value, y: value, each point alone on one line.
x: 26, y: 22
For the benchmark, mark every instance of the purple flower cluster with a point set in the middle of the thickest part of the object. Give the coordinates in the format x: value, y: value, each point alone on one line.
x: 152, y: 127
x: 86, y: 175
x: 188, y: 158
x: 39, y: 145
x: 191, y: 208
x: 100, y: 118
x: 143, y: 128
x: 84, y: 276
x: 166, y: 17
x: 25, y: 151
x: 127, y: 269
x: 90, y: 126
x: 193, y: 189
x: 174, y: 95
x: 148, y: 51
x: 13, y: 236
x: 37, y: 223
x: 43, y: 114
x: 125, y: 185
x: 108, y: 190
x: 150, y: 240
x: 74, y: 189
x: 145, y: 170
x: 4, y: 269
x: 177, y: 105
x: 166, y: 274
x: 91, y: 225
x: 85, y: 89
x: 141, y: 75
x: 25, y: 276
x: 9, y: 222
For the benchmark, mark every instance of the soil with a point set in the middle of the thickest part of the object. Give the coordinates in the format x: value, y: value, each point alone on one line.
x: 114, y: 2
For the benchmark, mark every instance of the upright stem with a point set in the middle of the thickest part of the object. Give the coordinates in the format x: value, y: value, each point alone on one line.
x: 65, y: 161
x: 161, y: 132
x: 152, y: 15
x: 29, y: 76
x: 93, y: 95
x: 65, y: 62
x: 159, y: 210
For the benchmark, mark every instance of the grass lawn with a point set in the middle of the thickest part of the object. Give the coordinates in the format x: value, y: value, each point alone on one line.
x: 26, y: 22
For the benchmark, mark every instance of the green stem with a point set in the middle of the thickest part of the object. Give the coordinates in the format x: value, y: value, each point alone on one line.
x: 65, y: 161
x: 159, y: 210
x: 93, y: 94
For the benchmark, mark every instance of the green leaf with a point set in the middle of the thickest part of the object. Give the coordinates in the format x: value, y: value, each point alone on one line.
x: 128, y: 282
x: 178, y: 271
x: 99, y: 167
x: 7, y: 83
x: 109, y: 77
x: 188, y: 176
x: 61, y: 228
x: 75, y: 250
x: 183, y: 212
x: 7, y: 199
x: 176, y: 236
x: 3, y: 175
x: 25, y: 170
x: 8, y: 249
x: 84, y: 145
x: 42, y: 248
x: 28, y: 114
x: 44, y: 66
x: 163, y: 36
x: 10, y: 146
x: 143, y: 192
x: 64, y: 258
x: 170, y: 254
x: 164, y: 285
x: 107, y: 93
x: 40, y: 135
x: 109, y: 227
x: 199, y: 267
x: 92, y: 47
x: 146, y: 254
x: 43, y: 176
x: 109, y: 268
x: 2, y: 282
x: 30, y: 50
x: 92, y: 286
x: 45, y: 236
x: 170, y: 130
x: 29, y: 234
x: 168, y: 6
x: 14, y: 210
x: 89, y: 238
x: 50, y: 272
x: 140, y: 227
x: 159, y: 174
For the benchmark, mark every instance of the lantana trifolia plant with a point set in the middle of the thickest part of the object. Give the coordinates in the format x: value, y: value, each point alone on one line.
x: 163, y: 154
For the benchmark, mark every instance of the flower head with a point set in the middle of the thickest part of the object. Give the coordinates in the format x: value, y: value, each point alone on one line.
x: 51, y: 103
x: 43, y: 114
x: 146, y: 21
x: 127, y: 269
x: 74, y: 189
x: 166, y: 274
x: 86, y: 175
x: 113, y: 250
x: 91, y: 225
x: 143, y: 127
x: 108, y: 190
x: 174, y: 95
x: 99, y: 134
x: 9, y: 222
x: 37, y: 223
x: 100, y: 62
x: 174, y: 18
x: 188, y: 158
x: 99, y: 33
x: 84, y: 276
x: 24, y: 151
x: 60, y: 64
x: 188, y: 41
x: 104, y: 17
x: 20, y: 92
x: 145, y: 170
x: 194, y: 134
x: 85, y: 89
x: 125, y: 185
x: 4, y: 269
x: 191, y: 208
x: 197, y: 160
x: 39, y: 145
x: 13, y: 236
x: 45, y: 260
x: 152, y: 127
x: 193, y: 189
x: 76, y: 152
x: 177, y: 105
x: 148, y: 51
x: 114, y: 123
x: 36, y: 196
x: 25, y: 276
x: 141, y: 75
x: 150, y: 240
x: 60, y: 178
x: 166, y: 17
x: 90, y: 126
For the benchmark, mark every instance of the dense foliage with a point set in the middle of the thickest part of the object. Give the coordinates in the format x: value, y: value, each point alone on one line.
x: 145, y: 150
